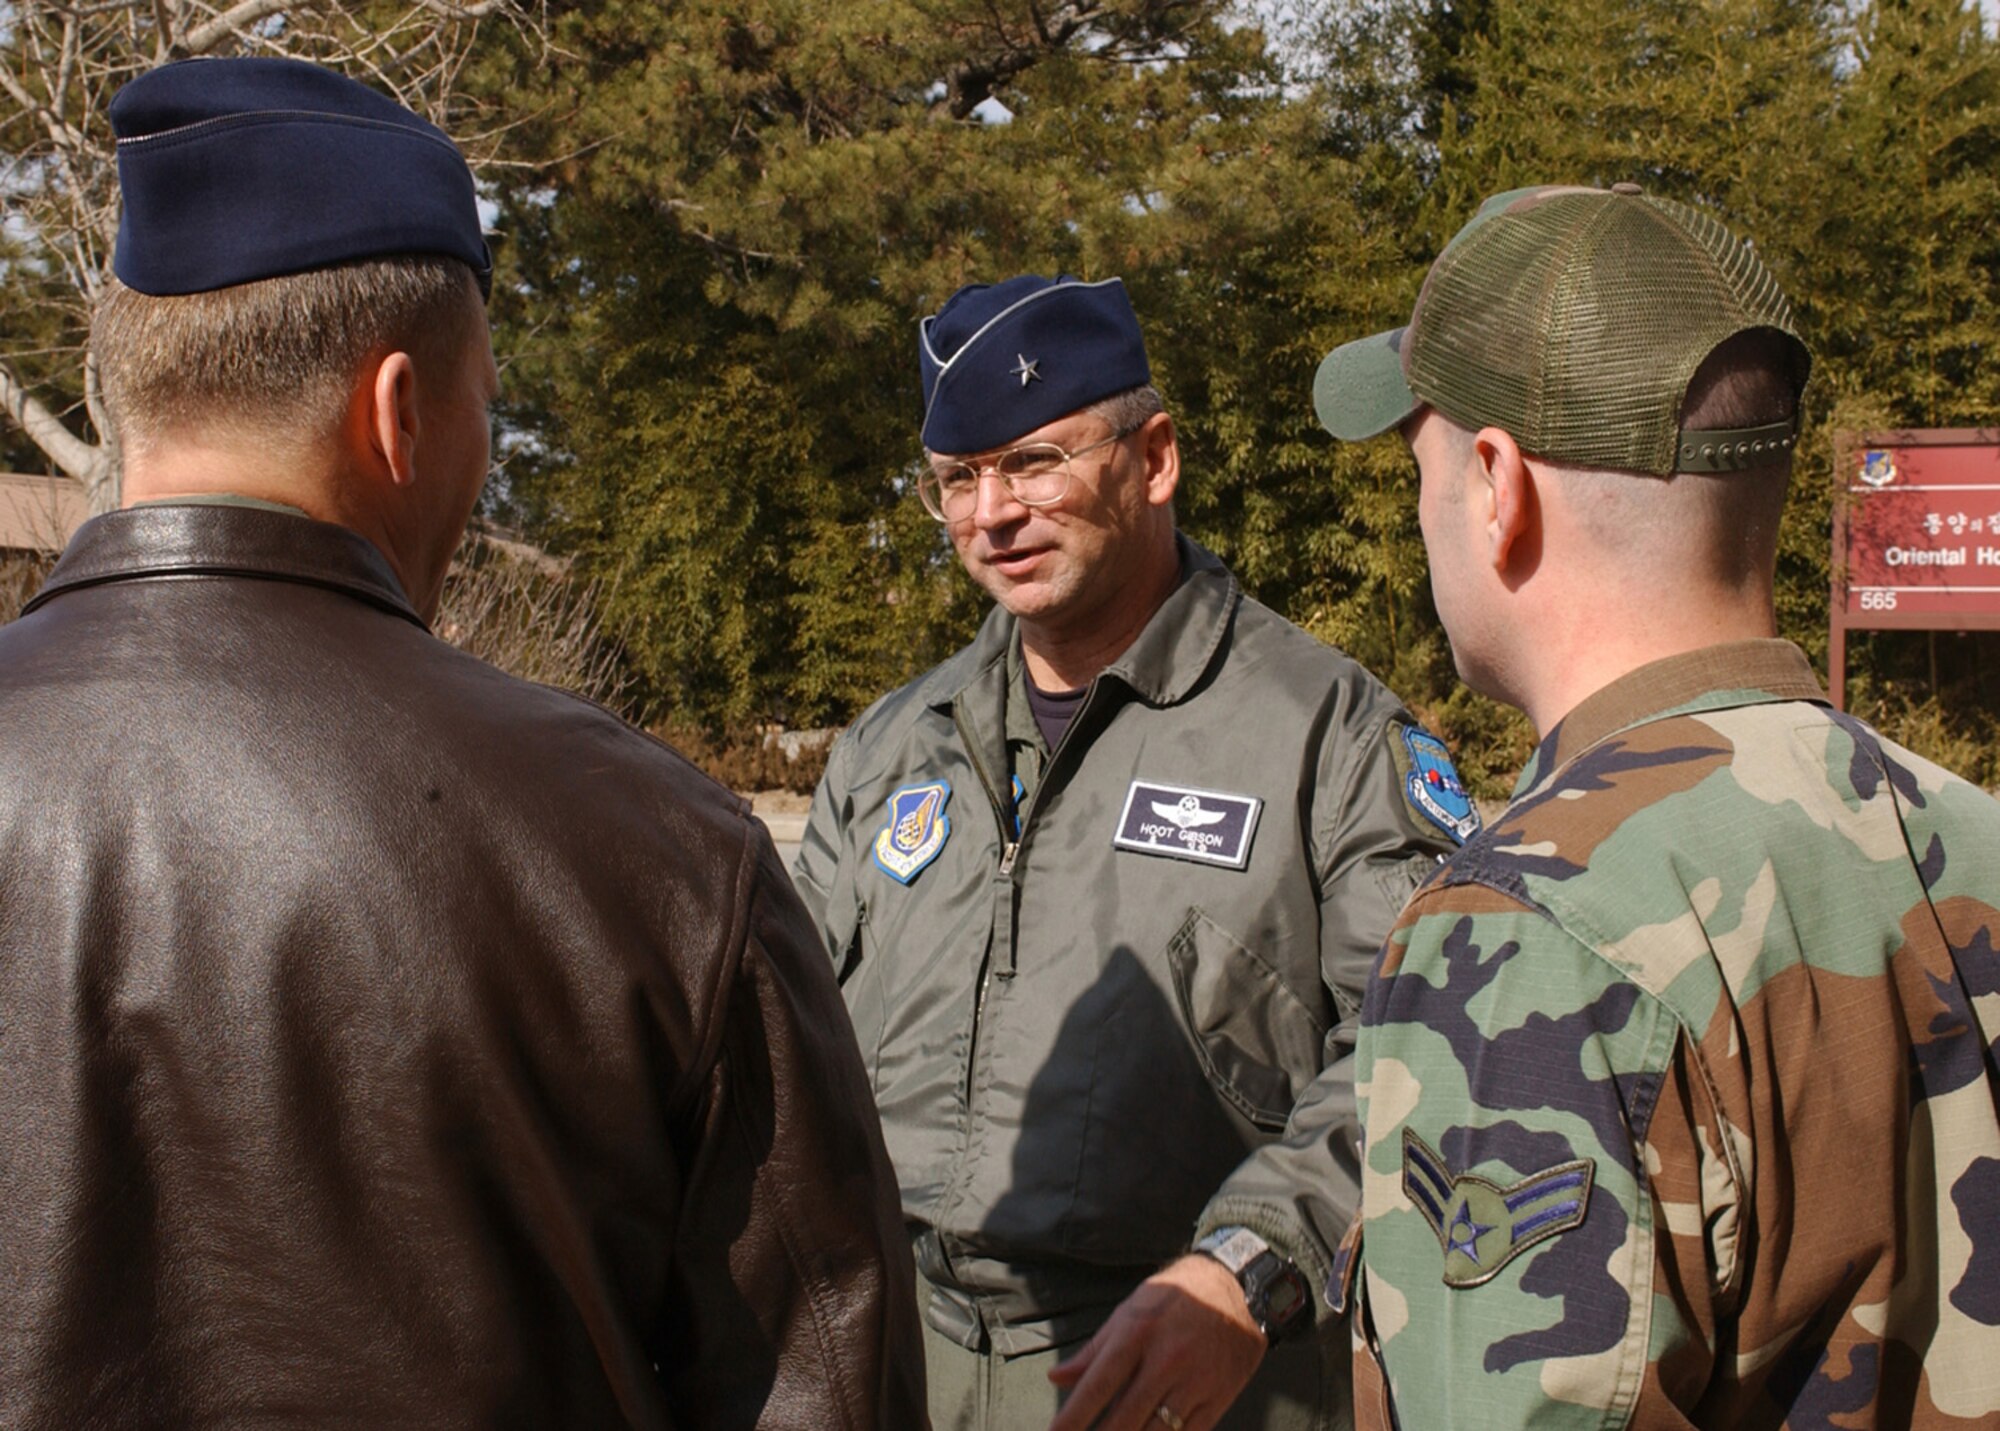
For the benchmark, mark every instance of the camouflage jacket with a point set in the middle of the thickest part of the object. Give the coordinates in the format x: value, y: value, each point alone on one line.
x: 1679, y: 1083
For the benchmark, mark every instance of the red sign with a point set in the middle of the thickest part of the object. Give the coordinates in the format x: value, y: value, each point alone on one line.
x: 1916, y: 535
x: 1923, y: 531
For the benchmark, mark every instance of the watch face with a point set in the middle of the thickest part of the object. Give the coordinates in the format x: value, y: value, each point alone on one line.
x: 1285, y: 1299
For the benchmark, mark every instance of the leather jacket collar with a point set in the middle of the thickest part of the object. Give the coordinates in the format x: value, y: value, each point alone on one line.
x: 174, y: 541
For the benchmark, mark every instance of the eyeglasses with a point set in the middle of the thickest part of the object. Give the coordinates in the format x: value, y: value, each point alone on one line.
x: 1035, y: 475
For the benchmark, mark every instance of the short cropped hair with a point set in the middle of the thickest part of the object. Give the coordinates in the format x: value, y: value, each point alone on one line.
x: 1747, y: 381
x: 1128, y: 410
x: 277, y: 354
x: 1722, y: 527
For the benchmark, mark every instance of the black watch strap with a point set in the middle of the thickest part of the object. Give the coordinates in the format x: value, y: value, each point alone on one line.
x: 1274, y: 1289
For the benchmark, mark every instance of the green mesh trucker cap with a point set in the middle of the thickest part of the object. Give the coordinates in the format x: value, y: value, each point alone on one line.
x: 1573, y: 319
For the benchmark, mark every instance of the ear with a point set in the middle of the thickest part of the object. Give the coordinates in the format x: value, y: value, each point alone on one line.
x: 1512, y: 511
x: 1163, y: 458
x: 392, y: 417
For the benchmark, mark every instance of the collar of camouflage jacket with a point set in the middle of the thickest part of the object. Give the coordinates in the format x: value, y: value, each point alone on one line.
x: 210, y: 540
x: 1736, y: 673
x: 1162, y: 666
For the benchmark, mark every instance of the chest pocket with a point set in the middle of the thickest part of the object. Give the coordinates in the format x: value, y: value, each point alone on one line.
x: 1258, y: 1042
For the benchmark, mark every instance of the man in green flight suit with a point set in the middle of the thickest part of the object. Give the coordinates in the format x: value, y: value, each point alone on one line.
x: 1680, y: 1081
x: 1103, y: 889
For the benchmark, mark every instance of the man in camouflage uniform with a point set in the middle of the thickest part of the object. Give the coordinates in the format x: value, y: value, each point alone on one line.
x: 1679, y: 1082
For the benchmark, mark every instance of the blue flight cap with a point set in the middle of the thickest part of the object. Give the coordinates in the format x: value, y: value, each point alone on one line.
x: 238, y: 169
x: 1003, y: 359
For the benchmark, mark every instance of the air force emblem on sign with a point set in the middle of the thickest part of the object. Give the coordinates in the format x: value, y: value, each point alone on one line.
x: 1481, y: 1226
x: 1878, y: 468
x: 917, y: 830
x: 1432, y: 786
x: 1185, y: 824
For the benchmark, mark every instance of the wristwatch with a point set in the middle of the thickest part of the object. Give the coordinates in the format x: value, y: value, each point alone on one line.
x: 1279, y: 1300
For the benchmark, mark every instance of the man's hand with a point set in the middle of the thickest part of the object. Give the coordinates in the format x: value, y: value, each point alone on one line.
x: 1184, y: 1341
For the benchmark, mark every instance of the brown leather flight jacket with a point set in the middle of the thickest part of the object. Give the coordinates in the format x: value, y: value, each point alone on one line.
x: 387, y: 1042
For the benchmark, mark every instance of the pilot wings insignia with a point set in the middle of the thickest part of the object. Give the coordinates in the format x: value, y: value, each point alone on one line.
x: 1188, y: 814
x: 1482, y: 1226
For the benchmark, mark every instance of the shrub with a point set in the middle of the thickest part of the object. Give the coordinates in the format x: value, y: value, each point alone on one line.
x: 1490, y: 742
x: 1964, y: 740
x: 21, y: 576
x: 525, y: 612
x: 753, y: 758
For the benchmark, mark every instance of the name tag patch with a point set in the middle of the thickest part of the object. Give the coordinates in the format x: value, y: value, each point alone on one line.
x: 1185, y: 824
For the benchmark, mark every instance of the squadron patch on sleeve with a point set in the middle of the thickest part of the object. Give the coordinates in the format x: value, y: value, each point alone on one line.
x: 1482, y: 1226
x: 917, y: 830
x: 1432, y: 786
x: 1185, y: 824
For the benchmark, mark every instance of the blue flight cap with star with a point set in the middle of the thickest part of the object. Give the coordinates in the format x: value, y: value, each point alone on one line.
x: 234, y: 170
x: 1002, y: 359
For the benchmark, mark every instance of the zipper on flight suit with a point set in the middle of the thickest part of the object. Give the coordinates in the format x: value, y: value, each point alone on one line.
x: 1011, y: 841
x: 1022, y: 817
x: 1003, y: 894
x: 1017, y: 838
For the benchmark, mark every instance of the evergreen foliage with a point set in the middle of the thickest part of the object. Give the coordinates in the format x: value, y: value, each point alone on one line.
x: 725, y: 287
x: 719, y: 224
x: 718, y: 275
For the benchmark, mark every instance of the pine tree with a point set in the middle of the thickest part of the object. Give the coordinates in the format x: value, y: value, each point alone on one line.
x: 717, y: 299
x: 1904, y: 311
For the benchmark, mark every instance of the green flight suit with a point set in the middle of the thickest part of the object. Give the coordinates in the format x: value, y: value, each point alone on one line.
x: 1086, y: 1053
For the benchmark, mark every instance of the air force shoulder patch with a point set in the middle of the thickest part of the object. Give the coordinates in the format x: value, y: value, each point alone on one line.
x: 1432, y: 786
x: 917, y: 830
x: 1186, y: 824
x: 1482, y: 1226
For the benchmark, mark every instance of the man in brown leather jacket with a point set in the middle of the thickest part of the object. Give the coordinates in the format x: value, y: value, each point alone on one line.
x: 384, y: 1041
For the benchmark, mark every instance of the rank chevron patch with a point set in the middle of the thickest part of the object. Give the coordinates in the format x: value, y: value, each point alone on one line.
x: 1482, y: 1226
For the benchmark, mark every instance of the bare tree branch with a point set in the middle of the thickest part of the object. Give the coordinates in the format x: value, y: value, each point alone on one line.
x: 1002, y: 47
x: 477, y: 11
x: 77, y: 458
x: 63, y: 134
x: 163, y: 32
x: 229, y: 25
x: 998, y: 55
x: 61, y: 61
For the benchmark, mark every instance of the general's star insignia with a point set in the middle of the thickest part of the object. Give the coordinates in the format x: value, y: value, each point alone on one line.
x: 1482, y: 1226
x: 1027, y: 369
